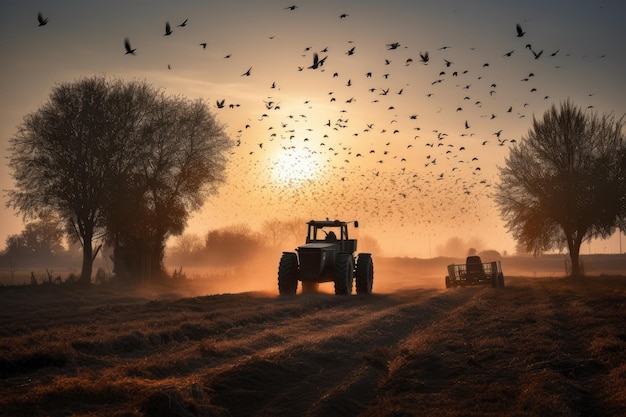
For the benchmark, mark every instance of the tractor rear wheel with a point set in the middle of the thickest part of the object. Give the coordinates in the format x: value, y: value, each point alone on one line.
x: 364, y: 274
x: 343, y: 273
x: 288, y: 274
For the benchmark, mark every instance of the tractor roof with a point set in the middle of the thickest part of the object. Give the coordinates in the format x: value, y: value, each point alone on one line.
x: 323, y: 223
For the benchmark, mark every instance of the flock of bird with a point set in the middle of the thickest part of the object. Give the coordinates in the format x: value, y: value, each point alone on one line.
x: 437, y: 126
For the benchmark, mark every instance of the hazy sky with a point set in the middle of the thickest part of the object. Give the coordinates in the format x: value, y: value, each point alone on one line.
x: 407, y: 147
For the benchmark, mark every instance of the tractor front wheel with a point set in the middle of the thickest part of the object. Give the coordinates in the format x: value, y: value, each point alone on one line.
x: 288, y: 274
x: 343, y: 273
x: 364, y: 274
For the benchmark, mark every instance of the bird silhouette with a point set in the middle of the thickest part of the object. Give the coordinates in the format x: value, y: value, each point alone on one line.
x: 129, y: 50
x: 183, y: 24
x: 294, y: 7
x: 519, y: 30
x: 168, y: 30
x: 203, y: 45
x: 42, y: 21
x: 220, y: 103
x: 317, y: 62
x: 247, y: 73
x: 424, y: 57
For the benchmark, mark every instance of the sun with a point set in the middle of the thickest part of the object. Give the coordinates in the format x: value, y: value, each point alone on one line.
x: 294, y: 166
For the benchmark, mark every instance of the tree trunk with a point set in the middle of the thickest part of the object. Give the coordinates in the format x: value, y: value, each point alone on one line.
x: 574, y: 255
x: 156, y: 258
x: 85, y: 273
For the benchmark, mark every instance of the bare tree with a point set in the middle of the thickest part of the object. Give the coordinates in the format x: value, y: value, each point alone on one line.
x: 565, y: 182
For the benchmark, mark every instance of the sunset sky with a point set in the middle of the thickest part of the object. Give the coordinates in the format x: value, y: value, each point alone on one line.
x: 409, y: 147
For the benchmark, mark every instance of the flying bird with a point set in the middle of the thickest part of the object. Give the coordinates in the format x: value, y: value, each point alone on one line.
x: 520, y: 32
x: 183, y: 24
x: 247, y: 73
x: 424, y: 57
x: 42, y: 20
x: 129, y: 50
x: 317, y: 62
x: 220, y: 103
x: 168, y: 30
x: 294, y: 7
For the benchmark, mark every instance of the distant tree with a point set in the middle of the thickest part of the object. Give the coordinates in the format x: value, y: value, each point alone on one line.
x: 296, y: 229
x: 40, y: 243
x: 275, y: 231
x: 116, y: 160
x: 232, y: 244
x: 186, y: 245
x: 45, y: 236
x: 522, y: 250
x: 565, y: 182
x: 15, y: 246
x: 370, y: 244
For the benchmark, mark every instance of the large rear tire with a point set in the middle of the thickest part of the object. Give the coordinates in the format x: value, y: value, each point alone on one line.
x: 288, y: 274
x: 343, y: 273
x: 364, y: 274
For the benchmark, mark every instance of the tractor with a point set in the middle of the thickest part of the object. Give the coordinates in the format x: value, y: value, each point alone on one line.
x: 327, y: 256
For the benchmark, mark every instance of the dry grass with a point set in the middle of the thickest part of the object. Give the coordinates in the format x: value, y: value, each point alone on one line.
x: 537, y: 347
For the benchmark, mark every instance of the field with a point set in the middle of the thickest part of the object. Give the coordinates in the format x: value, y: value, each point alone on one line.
x: 540, y: 346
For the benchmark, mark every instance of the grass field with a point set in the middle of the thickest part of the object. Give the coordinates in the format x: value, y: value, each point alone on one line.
x: 539, y: 346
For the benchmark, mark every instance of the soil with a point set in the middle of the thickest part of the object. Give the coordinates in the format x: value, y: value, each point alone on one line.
x: 539, y: 346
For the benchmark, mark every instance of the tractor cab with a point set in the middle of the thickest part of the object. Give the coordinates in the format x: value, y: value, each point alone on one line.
x: 331, y: 232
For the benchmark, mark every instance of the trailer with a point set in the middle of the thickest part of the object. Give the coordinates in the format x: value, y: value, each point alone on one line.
x: 475, y: 272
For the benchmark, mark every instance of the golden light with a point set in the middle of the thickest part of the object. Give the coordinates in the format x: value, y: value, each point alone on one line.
x: 294, y: 166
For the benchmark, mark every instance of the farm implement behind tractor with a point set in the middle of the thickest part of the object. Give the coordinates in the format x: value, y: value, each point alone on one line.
x: 475, y: 272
